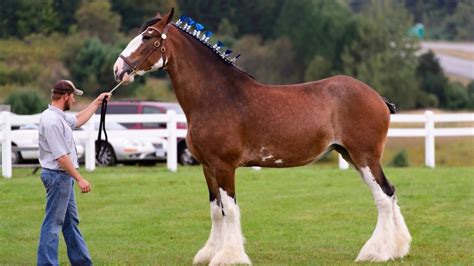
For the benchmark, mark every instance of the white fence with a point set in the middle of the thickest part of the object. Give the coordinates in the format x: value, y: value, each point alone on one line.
x: 88, y: 136
x: 428, y: 132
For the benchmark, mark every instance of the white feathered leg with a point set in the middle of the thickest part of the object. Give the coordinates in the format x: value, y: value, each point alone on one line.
x: 402, y: 233
x: 232, y: 251
x: 214, y: 243
x: 390, y: 238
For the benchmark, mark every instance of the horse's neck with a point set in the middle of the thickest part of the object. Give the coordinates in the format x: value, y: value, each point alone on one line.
x: 199, y: 77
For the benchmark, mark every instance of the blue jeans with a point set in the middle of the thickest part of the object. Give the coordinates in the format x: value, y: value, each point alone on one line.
x: 61, y: 214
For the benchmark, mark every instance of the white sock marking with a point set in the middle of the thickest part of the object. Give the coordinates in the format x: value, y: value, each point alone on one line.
x: 232, y: 251
x: 389, y: 239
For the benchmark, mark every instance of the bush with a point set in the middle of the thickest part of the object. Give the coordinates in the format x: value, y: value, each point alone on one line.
x: 318, y: 68
x: 456, y: 96
x: 400, y: 159
x: 470, y: 92
x: 26, y: 102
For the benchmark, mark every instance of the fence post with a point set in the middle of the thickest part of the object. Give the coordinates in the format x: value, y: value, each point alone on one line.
x: 429, y: 140
x: 343, y: 164
x: 172, y: 150
x: 6, y: 145
x: 90, y: 145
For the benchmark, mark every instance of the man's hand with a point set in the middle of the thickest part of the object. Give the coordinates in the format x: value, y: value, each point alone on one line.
x: 84, y: 185
x: 101, y: 97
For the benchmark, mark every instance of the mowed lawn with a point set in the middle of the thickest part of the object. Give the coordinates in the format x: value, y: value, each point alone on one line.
x: 299, y: 216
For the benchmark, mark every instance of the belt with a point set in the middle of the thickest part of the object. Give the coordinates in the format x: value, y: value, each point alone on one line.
x: 54, y: 170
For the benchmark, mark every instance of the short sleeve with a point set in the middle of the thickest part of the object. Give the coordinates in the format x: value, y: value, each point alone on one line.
x: 71, y: 121
x: 55, y: 138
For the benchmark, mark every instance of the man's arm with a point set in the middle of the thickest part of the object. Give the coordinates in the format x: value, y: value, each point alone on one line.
x: 66, y: 164
x: 84, y: 115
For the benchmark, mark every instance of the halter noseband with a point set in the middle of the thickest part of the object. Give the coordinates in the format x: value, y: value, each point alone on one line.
x: 156, y: 44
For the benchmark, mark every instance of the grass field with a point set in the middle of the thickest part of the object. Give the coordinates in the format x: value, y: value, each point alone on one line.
x: 299, y: 216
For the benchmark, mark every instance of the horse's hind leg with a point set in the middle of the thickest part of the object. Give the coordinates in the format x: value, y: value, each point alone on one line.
x: 226, y: 242
x: 390, y: 238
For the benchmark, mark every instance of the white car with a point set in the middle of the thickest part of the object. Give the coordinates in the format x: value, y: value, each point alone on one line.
x: 124, y: 146
x: 25, y: 144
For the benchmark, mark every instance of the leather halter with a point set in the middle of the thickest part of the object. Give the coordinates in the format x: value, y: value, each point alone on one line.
x: 156, y: 45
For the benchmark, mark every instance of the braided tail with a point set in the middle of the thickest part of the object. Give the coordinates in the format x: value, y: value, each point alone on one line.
x: 391, y: 106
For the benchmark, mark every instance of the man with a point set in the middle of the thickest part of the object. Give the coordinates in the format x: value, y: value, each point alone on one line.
x: 58, y: 159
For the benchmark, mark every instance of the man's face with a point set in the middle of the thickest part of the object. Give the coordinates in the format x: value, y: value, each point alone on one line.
x: 70, y: 99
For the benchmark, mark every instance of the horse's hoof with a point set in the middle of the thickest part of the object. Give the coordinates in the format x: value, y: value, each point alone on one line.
x: 227, y: 256
x: 204, y: 255
x: 381, y: 249
x: 374, y: 255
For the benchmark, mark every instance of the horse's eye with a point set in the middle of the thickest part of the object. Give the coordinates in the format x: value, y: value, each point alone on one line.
x: 146, y: 37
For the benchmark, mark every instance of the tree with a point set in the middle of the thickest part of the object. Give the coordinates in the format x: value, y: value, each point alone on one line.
x: 383, y: 56
x: 35, y: 17
x: 135, y: 13
x: 462, y: 21
x: 8, y: 17
x: 270, y: 62
x: 316, y: 28
x: 96, y: 18
x: 431, y: 77
x: 250, y: 17
x: 65, y: 10
x: 318, y: 68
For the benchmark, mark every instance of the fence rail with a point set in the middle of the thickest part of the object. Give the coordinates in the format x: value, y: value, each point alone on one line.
x: 88, y: 136
x: 428, y: 131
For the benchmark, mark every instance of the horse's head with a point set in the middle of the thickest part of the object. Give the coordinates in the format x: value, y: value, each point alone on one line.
x: 146, y: 52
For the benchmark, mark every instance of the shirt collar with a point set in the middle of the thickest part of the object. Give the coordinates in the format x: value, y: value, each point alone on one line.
x: 57, y: 110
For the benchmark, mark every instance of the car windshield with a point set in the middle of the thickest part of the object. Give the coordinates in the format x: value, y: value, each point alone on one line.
x: 175, y: 108
x: 110, y: 126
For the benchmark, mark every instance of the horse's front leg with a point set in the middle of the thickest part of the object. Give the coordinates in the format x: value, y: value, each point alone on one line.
x: 226, y: 242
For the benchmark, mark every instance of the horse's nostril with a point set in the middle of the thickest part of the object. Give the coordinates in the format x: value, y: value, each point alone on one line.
x: 120, y: 77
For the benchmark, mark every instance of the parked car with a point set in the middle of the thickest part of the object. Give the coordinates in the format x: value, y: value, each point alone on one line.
x: 148, y: 107
x: 126, y: 148
x: 25, y: 144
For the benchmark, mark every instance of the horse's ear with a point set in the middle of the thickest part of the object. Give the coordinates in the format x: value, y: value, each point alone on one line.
x: 169, y: 16
x: 158, y: 14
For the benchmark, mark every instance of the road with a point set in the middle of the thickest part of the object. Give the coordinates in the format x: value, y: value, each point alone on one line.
x: 463, y: 67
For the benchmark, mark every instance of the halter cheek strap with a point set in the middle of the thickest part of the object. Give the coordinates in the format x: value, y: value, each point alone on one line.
x: 156, y: 45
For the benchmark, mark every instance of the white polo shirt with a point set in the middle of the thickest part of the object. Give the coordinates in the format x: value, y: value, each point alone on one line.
x: 55, y: 138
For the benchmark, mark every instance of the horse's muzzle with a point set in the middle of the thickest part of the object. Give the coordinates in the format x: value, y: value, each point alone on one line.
x: 124, y: 74
x: 127, y: 77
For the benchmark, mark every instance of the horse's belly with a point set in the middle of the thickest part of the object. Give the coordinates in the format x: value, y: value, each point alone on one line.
x: 284, y: 156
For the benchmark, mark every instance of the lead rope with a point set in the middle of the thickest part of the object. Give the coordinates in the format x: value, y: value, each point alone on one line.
x: 99, y: 144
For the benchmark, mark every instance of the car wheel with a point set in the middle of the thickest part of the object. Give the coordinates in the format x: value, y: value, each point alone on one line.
x: 16, y: 157
x: 185, y: 157
x: 105, y: 155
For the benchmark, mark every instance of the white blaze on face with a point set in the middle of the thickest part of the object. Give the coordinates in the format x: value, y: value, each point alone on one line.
x: 131, y: 47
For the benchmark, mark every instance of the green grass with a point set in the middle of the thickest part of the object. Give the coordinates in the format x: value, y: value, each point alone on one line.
x: 299, y: 216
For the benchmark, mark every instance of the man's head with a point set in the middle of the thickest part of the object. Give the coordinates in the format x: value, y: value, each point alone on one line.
x: 63, y: 94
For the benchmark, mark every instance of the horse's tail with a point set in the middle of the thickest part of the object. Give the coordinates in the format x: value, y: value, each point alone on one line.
x: 391, y: 106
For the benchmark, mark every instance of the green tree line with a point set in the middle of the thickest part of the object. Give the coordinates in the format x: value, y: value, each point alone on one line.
x: 281, y: 42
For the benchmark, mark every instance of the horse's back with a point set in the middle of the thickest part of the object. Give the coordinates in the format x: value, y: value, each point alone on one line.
x: 349, y: 95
